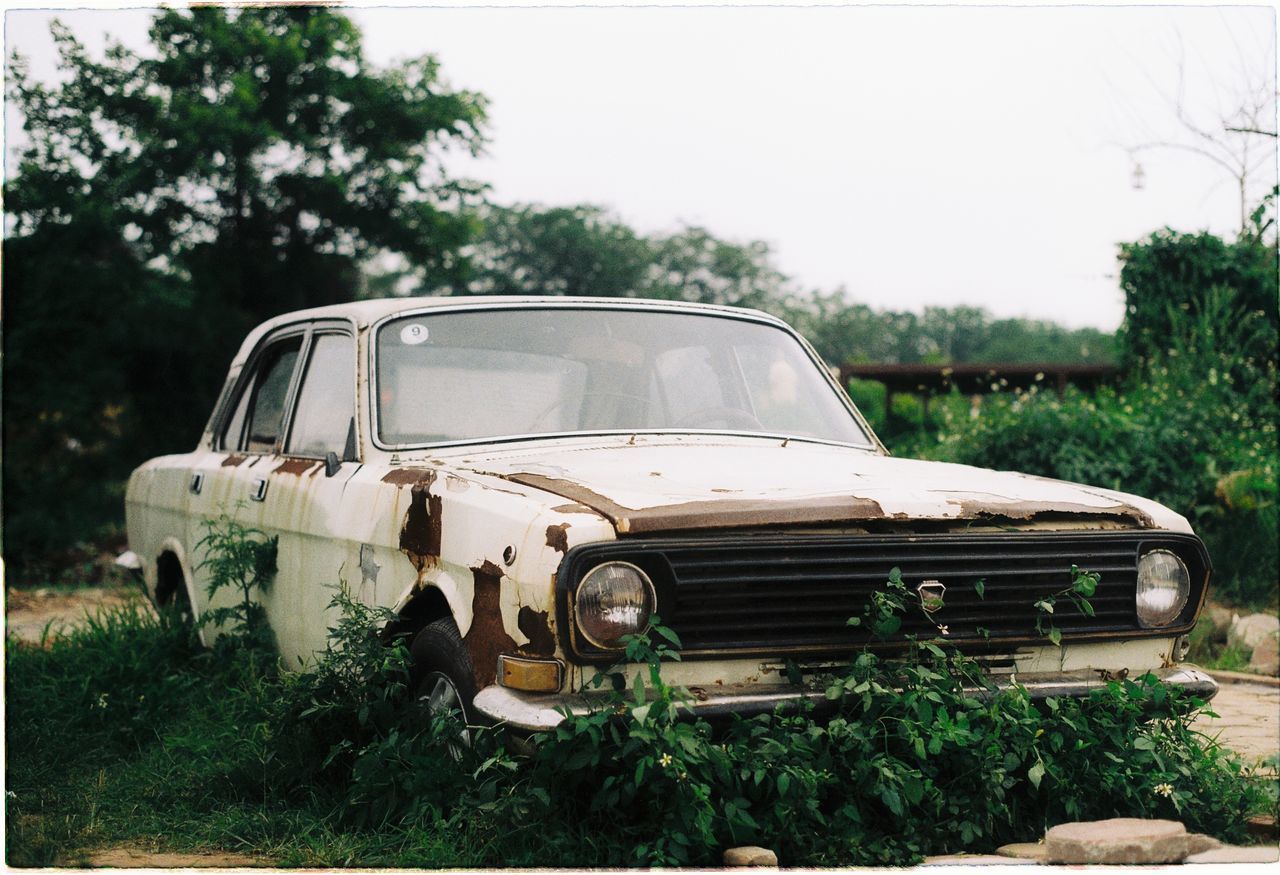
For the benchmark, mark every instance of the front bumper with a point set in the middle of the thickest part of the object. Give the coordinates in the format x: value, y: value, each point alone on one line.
x: 540, y: 711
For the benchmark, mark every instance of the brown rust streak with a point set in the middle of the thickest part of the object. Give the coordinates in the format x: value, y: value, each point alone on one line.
x: 296, y: 467
x: 423, y: 525
x: 233, y: 460
x: 1030, y: 510
x: 558, y: 537
x: 487, y: 636
x: 535, y: 627
x: 713, y: 514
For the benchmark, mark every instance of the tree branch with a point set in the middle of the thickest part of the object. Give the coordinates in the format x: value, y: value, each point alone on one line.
x: 1258, y: 131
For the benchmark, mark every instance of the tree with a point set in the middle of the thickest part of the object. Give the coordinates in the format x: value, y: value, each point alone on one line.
x: 575, y: 250
x: 1169, y: 278
x: 248, y: 164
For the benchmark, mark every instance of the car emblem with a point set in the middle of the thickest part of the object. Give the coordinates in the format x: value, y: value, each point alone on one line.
x: 931, y: 593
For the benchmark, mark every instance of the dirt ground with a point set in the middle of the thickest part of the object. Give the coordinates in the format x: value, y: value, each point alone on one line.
x: 139, y: 858
x: 29, y: 611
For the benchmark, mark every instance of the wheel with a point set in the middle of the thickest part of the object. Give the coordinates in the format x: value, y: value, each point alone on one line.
x: 441, y: 677
x: 728, y: 415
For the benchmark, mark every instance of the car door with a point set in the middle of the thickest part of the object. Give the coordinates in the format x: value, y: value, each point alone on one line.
x: 229, y: 478
x: 300, y: 492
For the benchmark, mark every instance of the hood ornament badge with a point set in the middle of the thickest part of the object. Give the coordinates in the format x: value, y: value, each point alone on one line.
x: 930, y: 593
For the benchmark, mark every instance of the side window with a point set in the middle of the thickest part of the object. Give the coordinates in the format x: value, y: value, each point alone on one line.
x: 259, y: 414
x: 326, y: 401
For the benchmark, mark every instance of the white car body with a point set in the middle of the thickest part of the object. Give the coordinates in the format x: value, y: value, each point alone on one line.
x: 483, y: 530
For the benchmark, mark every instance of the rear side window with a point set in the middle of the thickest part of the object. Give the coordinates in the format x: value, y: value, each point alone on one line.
x: 259, y: 413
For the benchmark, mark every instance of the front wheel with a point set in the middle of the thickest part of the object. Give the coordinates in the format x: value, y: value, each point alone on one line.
x: 441, y: 679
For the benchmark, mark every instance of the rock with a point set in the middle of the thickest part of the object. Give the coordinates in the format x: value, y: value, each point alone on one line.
x: 1217, y: 616
x: 1023, y: 850
x: 1266, y: 655
x: 1198, y: 843
x: 749, y: 855
x: 1120, y: 840
x: 1248, y: 632
x: 976, y: 860
x: 1233, y: 854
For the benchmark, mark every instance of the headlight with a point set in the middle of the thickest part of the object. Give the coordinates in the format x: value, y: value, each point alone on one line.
x: 1163, y: 586
x: 613, y: 600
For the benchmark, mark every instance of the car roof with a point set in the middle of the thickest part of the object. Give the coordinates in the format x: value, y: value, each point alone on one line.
x: 368, y: 312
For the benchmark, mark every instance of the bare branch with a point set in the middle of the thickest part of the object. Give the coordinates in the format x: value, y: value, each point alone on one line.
x: 1251, y: 131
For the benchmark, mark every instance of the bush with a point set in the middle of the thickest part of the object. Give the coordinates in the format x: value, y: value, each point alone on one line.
x: 1196, y: 431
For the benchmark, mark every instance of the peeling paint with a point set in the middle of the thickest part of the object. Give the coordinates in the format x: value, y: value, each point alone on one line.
x: 233, y: 460
x: 297, y: 467
x: 535, y: 627
x: 709, y: 514
x: 558, y: 537
x: 487, y: 636
x: 409, y: 476
x: 572, y: 508
x: 1030, y: 510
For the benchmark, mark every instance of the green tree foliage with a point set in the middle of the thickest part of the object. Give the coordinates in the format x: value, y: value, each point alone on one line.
x: 1169, y: 272
x: 585, y: 250
x: 578, y: 250
x: 246, y: 165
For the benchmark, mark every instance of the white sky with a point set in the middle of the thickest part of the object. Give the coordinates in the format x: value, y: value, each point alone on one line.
x: 914, y: 155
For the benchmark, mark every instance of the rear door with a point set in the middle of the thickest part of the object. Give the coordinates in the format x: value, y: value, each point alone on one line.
x: 304, y: 490
x: 231, y: 479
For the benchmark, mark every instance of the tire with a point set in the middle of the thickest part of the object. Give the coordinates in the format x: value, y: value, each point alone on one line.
x: 441, y: 673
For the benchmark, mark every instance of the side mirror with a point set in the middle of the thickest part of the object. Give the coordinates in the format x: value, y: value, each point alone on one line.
x: 331, y: 463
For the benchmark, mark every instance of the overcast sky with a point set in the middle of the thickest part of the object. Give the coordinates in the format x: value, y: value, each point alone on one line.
x: 914, y: 155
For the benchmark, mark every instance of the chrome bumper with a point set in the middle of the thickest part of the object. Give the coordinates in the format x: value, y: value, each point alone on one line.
x: 539, y: 711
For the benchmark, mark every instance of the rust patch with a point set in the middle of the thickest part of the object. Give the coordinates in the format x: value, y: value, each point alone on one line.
x: 572, y: 508
x: 712, y: 514
x: 233, y: 460
x: 558, y: 537
x: 423, y: 528
x: 487, y: 636
x: 296, y: 467
x: 409, y: 476
x: 1031, y: 510
x: 536, y: 628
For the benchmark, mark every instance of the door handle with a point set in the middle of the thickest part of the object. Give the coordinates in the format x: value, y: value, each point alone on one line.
x: 258, y: 491
x: 197, y: 483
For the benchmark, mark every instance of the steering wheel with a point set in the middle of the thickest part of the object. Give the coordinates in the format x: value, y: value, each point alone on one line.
x: 560, y: 402
x: 729, y: 415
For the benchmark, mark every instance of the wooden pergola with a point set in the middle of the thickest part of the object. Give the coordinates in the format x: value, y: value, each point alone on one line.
x: 975, y: 378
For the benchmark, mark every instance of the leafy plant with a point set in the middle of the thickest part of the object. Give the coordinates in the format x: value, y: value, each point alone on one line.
x: 242, y: 559
x: 1083, y: 585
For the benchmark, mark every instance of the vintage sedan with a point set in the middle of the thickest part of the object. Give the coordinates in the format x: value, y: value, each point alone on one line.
x: 525, y: 482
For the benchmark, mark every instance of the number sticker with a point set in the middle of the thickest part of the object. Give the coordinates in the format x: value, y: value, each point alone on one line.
x: 413, y: 334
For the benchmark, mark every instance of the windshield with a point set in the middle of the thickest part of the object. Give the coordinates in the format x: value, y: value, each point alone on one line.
x: 472, y: 375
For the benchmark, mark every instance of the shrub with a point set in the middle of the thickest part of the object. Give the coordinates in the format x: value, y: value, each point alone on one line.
x: 1197, y: 432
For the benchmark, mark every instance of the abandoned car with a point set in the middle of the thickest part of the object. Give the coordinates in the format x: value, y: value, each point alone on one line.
x: 525, y: 482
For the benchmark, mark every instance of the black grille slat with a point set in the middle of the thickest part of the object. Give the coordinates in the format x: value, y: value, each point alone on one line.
x: 768, y: 593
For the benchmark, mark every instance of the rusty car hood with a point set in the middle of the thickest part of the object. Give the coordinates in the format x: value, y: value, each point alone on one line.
x: 648, y: 484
